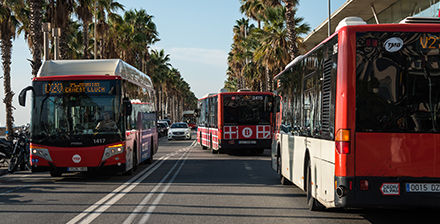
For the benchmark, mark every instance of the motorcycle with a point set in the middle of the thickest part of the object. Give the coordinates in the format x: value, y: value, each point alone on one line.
x: 20, y: 153
x: 5, y: 151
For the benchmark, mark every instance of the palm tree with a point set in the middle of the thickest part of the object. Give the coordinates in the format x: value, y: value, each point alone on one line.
x: 8, y: 27
x: 63, y: 10
x: 35, y: 33
x: 291, y: 27
x: 253, y: 9
x: 105, y: 9
x: 84, y: 11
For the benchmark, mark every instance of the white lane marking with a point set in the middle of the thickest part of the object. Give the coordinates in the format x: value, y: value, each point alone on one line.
x: 117, y: 190
x: 100, y: 206
x: 159, y: 197
x: 139, y: 207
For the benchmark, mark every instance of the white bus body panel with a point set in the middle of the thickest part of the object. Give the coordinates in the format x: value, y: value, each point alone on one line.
x: 322, y: 158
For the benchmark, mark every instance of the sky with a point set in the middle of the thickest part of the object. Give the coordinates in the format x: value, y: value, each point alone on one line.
x: 197, y: 34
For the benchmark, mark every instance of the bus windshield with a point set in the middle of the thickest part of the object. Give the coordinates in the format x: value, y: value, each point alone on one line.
x: 398, y: 82
x: 246, y: 109
x: 82, y: 113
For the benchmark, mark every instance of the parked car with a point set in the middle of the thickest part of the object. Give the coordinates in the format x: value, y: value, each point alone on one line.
x: 162, y: 129
x: 179, y: 130
x: 168, y: 121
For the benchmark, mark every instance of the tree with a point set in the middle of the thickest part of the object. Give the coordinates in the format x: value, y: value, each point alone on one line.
x: 84, y: 11
x: 35, y: 34
x: 8, y: 27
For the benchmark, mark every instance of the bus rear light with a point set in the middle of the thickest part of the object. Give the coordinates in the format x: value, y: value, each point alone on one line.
x: 343, y: 135
x: 343, y: 141
x: 363, y: 185
x: 343, y: 147
x: 350, y: 184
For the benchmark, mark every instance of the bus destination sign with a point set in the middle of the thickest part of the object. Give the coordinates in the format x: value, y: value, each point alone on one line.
x: 74, y: 87
x: 430, y: 41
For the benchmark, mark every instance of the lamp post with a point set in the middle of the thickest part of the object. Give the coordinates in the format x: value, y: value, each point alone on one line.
x: 329, y: 19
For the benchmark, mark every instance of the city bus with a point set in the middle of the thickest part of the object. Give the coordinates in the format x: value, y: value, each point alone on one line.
x: 235, y: 120
x: 90, y: 114
x: 190, y: 118
x: 359, y: 121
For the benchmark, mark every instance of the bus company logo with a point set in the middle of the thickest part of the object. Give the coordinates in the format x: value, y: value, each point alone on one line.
x: 390, y: 189
x: 247, y: 132
x: 76, y: 158
x: 393, y: 44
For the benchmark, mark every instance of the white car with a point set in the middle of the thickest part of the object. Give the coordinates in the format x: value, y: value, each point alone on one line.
x: 179, y: 130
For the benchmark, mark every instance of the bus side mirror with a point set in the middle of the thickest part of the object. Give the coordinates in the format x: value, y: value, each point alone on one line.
x: 22, y: 95
x: 127, y: 106
x: 197, y: 112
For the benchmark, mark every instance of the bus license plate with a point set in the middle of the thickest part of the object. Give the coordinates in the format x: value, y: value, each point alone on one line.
x: 76, y: 169
x: 422, y: 187
x: 247, y: 142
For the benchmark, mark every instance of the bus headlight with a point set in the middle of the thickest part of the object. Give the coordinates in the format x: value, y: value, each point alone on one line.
x: 112, y: 150
x: 42, y: 153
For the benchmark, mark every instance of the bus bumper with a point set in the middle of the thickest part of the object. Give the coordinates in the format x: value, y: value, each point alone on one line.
x: 386, y: 192
x: 245, y: 144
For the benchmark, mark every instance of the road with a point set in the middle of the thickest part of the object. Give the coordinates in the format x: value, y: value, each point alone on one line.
x: 185, y: 184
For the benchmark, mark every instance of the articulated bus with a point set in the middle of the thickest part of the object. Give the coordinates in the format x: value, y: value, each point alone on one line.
x: 235, y: 120
x: 90, y: 114
x: 360, y: 118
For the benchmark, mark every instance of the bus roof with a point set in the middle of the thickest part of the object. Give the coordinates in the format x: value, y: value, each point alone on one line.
x: 104, y: 67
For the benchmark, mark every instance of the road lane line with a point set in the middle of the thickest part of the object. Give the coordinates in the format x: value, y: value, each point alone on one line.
x: 144, y: 201
x: 117, y: 190
x: 103, y: 204
x: 153, y: 206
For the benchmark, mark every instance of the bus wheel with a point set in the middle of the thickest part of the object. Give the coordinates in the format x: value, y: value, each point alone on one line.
x: 314, y: 205
x: 55, y: 173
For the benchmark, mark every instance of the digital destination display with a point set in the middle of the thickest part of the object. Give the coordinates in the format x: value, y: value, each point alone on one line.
x: 430, y: 41
x: 75, y: 87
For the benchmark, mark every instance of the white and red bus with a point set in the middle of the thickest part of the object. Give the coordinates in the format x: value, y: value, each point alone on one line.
x: 235, y: 120
x: 360, y: 123
x: 89, y: 114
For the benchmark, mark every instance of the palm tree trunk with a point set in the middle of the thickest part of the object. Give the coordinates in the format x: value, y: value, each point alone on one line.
x: 36, y: 34
x: 290, y: 23
x: 6, y: 48
x: 86, y: 39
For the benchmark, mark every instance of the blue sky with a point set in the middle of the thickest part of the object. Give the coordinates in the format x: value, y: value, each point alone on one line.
x: 196, y: 33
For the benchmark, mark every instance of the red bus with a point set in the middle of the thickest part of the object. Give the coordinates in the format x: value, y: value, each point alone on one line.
x: 189, y: 117
x: 89, y: 114
x: 236, y: 120
x: 359, y: 123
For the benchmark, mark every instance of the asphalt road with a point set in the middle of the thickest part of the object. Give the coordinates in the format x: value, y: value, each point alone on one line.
x: 185, y: 184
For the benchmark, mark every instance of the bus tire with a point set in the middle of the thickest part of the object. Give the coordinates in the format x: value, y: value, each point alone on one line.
x: 313, y: 203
